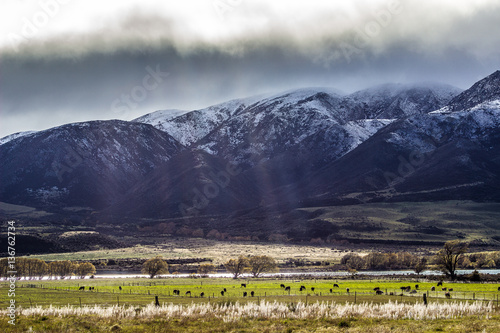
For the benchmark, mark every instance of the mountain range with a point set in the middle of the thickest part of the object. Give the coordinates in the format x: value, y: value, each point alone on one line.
x: 267, y: 155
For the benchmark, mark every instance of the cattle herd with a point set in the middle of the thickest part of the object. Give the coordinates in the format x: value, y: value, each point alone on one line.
x: 302, y: 288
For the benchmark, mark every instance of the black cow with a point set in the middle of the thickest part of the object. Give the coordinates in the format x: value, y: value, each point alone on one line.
x: 222, y: 292
x: 283, y: 286
x: 451, y: 289
x: 202, y: 294
x: 177, y: 292
x: 312, y: 289
x: 448, y: 295
x: 225, y: 290
x: 243, y: 285
x: 335, y: 285
x: 440, y: 284
x: 378, y: 288
x: 379, y: 292
x: 120, y: 287
x: 287, y: 288
x: 81, y: 288
x: 302, y: 288
x: 347, y: 289
x: 331, y: 290
x: 443, y: 289
x: 416, y: 286
x: 252, y: 293
x: 188, y: 293
x: 245, y: 294
x: 433, y: 288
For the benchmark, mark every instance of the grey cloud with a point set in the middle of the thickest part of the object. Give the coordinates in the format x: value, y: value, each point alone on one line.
x: 80, y: 76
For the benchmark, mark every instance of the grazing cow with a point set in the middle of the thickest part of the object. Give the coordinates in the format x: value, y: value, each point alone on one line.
x: 408, y: 289
x: 312, y: 289
x: 245, y: 294
x: 391, y: 293
x: 433, y: 288
x: 282, y: 286
x: 252, y: 293
x: 81, y: 288
x: 402, y: 288
x: 331, y: 290
x: 188, y: 293
x: 91, y: 288
x: 416, y: 286
x: 451, y: 289
x: 443, y: 289
x: 376, y: 288
x: 440, y: 284
x: 243, y: 285
x: 287, y: 288
x: 413, y: 292
x: 225, y: 290
x: 347, y: 289
x: 120, y: 287
x: 448, y: 295
x: 202, y: 294
x: 498, y: 288
x: 176, y: 292
x: 222, y: 292
x: 335, y: 285
x: 379, y: 292
x: 302, y: 288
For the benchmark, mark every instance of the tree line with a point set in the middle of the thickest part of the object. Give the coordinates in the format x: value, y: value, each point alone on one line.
x: 256, y: 265
x: 451, y: 257
x: 37, y: 268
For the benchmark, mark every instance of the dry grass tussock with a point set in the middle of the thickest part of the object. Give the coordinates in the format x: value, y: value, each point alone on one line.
x: 266, y: 310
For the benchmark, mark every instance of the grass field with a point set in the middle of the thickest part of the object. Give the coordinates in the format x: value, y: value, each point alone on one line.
x: 142, y: 291
x: 138, y: 295
x: 217, y: 251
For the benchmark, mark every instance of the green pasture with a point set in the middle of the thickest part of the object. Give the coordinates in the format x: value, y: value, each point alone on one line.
x: 141, y: 291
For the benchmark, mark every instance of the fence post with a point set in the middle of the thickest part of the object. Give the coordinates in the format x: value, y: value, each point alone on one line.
x: 118, y: 300
x: 79, y: 298
x: 425, y: 299
x: 157, y: 303
x: 355, y: 297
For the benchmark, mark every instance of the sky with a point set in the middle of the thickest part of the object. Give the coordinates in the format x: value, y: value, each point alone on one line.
x: 65, y: 61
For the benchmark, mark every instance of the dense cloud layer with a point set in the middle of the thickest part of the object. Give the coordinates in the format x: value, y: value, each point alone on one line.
x: 64, y: 61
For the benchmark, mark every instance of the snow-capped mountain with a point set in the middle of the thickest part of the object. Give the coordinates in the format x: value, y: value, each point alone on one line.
x: 88, y: 164
x: 484, y: 90
x: 11, y: 137
x: 159, y: 117
x: 250, y: 131
x: 189, y: 127
x: 303, y: 147
x: 435, y: 156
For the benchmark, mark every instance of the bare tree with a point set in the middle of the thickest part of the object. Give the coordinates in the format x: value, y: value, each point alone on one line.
x: 420, y: 265
x: 61, y: 268
x: 155, y: 266
x: 353, y: 261
x: 205, y: 269
x: 448, y: 257
x: 85, y: 269
x: 261, y: 264
x: 237, y: 266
